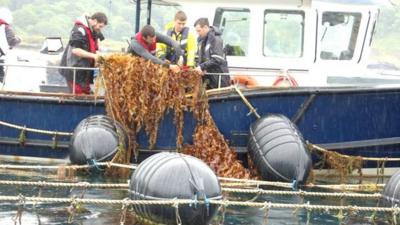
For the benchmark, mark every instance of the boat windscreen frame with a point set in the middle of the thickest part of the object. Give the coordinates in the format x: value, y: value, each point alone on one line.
x: 241, y: 47
x: 294, y: 12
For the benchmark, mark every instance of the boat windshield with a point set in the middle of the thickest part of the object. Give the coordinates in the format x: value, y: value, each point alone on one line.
x: 235, y: 24
x: 339, y: 35
x: 283, y: 33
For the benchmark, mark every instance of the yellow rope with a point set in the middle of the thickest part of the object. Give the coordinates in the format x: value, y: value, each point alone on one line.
x: 23, y: 128
x: 348, y: 187
x: 320, y: 149
x: 245, y: 182
x: 252, y: 109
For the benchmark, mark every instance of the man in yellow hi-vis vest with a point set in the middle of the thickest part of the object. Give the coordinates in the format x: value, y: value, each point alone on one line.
x: 187, y: 40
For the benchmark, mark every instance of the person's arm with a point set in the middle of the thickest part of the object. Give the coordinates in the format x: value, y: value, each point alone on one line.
x: 83, y: 53
x: 12, y: 39
x: 216, y: 55
x: 79, y: 43
x: 162, y: 38
x: 136, y: 48
x: 191, y: 49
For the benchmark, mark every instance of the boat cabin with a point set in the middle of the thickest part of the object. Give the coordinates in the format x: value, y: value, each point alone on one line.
x: 266, y: 38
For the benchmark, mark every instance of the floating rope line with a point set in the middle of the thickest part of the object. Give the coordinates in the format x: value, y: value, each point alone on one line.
x: 176, y: 202
x: 233, y: 182
x: 257, y: 191
x: 76, y: 167
x: 225, y: 182
x: 33, y: 130
x: 348, y: 187
x: 63, y: 184
x: 302, y: 193
x: 323, y: 150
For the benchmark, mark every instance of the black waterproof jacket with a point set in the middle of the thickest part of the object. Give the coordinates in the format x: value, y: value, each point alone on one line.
x: 211, y: 58
x: 78, y: 39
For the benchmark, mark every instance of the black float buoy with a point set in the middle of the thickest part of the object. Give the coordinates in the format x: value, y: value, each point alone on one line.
x: 96, y: 138
x: 391, y: 192
x: 278, y: 151
x: 165, y: 176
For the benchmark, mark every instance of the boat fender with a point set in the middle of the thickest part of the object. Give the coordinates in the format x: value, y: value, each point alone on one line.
x: 391, y: 192
x: 171, y: 176
x: 96, y: 139
x: 278, y: 150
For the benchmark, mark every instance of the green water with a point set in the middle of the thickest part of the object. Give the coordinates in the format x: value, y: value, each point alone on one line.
x: 51, y: 213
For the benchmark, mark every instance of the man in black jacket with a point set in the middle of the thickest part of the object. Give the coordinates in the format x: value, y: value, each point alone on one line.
x: 81, y: 51
x: 211, y: 57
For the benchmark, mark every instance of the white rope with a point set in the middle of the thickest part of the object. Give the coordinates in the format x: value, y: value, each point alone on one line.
x: 175, y: 202
x: 77, y: 167
x: 302, y: 193
x: 35, y: 130
x: 230, y: 190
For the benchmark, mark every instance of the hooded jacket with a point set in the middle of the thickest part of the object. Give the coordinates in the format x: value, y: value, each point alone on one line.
x: 81, y: 37
x: 211, y: 58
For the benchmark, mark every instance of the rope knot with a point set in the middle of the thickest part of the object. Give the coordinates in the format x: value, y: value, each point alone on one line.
x: 176, y: 206
x: 21, y: 199
x: 21, y: 203
x: 124, y: 210
x: 267, y: 206
x: 84, y: 184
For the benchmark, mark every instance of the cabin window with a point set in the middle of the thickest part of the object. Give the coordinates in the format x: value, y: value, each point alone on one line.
x: 283, y: 33
x: 235, y: 26
x: 338, y: 36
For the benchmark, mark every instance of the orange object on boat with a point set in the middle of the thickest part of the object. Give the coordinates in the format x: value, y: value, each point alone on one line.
x: 244, y: 80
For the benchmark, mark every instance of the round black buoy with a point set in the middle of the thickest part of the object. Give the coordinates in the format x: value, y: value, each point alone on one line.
x: 391, y: 192
x: 96, y: 138
x: 278, y: 151
x: 165, y: 176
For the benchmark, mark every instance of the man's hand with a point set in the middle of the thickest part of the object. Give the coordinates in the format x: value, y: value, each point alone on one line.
x: 174, y: 68
x: 198, y: 69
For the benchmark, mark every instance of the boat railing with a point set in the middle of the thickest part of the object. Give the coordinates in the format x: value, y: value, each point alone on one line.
x: 262, y: 73
x: 74, y: 69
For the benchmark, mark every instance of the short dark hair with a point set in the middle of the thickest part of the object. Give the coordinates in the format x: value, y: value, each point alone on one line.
x: 181, y: 16
x: 100, y: 17
x: 148, y: 31
x: 202, y: 22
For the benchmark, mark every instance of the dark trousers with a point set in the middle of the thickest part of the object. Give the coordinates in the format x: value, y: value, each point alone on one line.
x: 1, y: 71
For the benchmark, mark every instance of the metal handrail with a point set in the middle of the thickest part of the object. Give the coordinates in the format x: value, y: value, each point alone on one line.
x: 53, y: 67
x: 50, y: 67
x: 247, y: 73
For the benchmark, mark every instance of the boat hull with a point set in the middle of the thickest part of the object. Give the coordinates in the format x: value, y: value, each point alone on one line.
x: 353, y: 121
